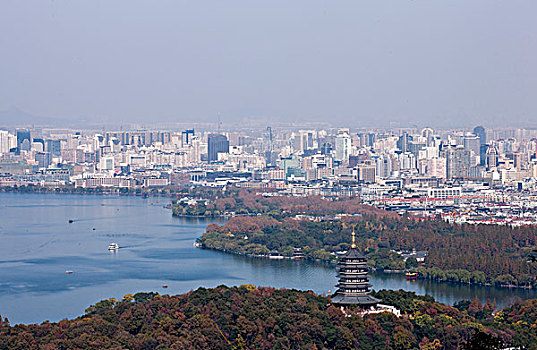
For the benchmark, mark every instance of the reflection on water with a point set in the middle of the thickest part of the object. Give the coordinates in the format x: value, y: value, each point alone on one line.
x: 38, y: 245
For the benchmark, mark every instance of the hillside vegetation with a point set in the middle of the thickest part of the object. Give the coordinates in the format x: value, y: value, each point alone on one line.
x: 247, y: 317
x: 214, y: 203
x: 483, y: 254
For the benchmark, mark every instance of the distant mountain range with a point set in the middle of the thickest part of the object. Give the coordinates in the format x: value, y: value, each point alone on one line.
x: 17, y: 117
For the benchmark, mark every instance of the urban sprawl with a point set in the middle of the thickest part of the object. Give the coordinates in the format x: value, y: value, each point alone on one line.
x: 464, y: 176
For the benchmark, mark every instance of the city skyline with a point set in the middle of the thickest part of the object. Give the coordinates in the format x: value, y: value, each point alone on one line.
x: 248, y: 174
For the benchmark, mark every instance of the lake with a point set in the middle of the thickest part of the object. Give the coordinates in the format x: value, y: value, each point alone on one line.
x: 38, y: 245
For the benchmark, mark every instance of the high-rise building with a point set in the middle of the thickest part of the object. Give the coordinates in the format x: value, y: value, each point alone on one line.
x: 216, y: 143
x: 403, y: 142
x: 24, y: 142
x: 343, y: 147
x: 458, y: 162
x: 428, y: 135
x: 472, y: 143
x: 38, y: 144
x: 480, y: 132
x: 268, y: 147
x: 4, y: 141
x: 384, y: 166
x: 43, y: 159
x: 491, y: 157
x: 186, y: 137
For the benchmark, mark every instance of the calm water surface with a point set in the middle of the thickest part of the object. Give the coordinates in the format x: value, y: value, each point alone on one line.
x: 37, y: 246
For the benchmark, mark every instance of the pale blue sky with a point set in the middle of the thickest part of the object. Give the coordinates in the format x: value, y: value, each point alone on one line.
x: 441, y: 63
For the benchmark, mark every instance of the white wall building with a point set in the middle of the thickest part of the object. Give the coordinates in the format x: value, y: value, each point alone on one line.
x: 343, y: 147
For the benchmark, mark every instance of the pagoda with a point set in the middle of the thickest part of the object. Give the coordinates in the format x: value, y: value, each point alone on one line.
x: 353, y: 284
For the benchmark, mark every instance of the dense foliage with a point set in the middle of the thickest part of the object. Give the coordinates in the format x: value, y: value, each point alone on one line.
x: 483, y: 254
x: 212, y: 203
x: 247, y: 317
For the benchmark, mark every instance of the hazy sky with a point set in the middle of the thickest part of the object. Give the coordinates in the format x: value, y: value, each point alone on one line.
x: 436, y: 62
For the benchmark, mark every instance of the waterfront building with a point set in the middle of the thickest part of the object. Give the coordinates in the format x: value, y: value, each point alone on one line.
x: 353, y: 280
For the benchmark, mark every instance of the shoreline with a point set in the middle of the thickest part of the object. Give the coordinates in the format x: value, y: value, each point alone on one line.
x: 159, y: 193
x: 74, y: 191
x: 254, y: 256
x: 333, y: 263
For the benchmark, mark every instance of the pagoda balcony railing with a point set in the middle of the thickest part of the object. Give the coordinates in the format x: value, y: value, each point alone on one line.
x: 355, y: 291
x: 354, y: 285
x: 363, y: 280
x: 347, y: 263
x: 354, y: 270
x: 351, y: 275
x: 353, y: 261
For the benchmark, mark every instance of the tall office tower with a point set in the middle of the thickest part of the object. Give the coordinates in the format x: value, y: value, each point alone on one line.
x: 403, y: 142
x: 38, y: 144
x: 24, y: 142
x: 4, y: 141
x: 186, y: 137
x: 43, y: 159
x: 98, y: 143
x: 472, y: 143
x: 216, y: 144
x: 491, y: 157
x: 458, y: 162
x: 304, y: 141
x: 343, y: 147
x: 268, y: 139
x: 384, y: 166
x: 407, y: 161
x: 428, y: 134
x: 268, y: 146
x: 482, y: 134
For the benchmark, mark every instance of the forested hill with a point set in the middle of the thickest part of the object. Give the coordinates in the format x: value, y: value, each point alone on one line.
x: 214, y: 203
x: 483, y: 254
x: 247, y: 317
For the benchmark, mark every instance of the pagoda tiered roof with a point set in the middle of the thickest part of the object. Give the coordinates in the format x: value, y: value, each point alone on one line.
x: 350, y: 291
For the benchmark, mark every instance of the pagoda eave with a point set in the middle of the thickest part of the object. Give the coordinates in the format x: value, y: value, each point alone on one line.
x: 366, y: 300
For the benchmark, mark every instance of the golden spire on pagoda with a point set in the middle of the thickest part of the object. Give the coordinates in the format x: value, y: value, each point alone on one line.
x: 353, y: 245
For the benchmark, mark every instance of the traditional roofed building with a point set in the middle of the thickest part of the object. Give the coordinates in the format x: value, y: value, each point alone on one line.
x: 353, y: 285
